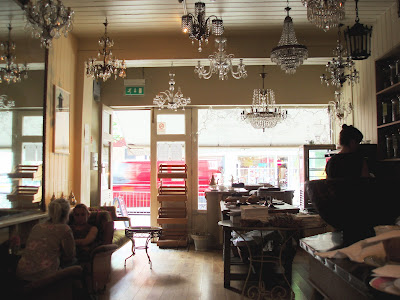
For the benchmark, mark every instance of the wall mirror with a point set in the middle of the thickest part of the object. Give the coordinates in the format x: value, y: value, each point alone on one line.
x: 21, y: 125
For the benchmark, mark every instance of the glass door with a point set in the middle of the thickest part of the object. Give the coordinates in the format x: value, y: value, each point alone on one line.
x: 170, y: 143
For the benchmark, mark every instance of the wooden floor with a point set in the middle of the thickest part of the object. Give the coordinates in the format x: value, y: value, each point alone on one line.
x: 181, y: 274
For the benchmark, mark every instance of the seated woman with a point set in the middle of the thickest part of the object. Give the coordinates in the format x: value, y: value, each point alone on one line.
x: 348, y: 163
x: 50, y: 245
x: 84, y: 233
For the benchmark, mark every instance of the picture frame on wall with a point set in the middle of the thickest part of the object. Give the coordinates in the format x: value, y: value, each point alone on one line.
x: 61, y: 120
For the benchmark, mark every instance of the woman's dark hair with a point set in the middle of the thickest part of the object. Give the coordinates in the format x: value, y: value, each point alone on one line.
x: 82, y: 206
x: 349, y: 133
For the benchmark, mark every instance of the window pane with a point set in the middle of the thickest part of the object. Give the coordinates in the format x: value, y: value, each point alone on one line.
x: 6, y: 162
x: 32, y: 153
x: 171, y: 124
x: 32, y: 126
x: 171, y: 152
x: 6, y: 128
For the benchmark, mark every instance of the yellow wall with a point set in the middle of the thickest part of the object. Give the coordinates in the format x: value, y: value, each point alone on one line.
x: 385, y: 37
x: 61, y: 72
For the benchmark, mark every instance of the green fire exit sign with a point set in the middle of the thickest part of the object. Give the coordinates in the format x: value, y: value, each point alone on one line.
x: 134, y: 90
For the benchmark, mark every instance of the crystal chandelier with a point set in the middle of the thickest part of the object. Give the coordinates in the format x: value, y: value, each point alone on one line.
x: 198, y: 26
x: 47, y: 18
x: 109, y: 65
x: 340, y: 68
x: 358, y: 39
x: 221, y: 63
x: 289, y: 54
x: 339, y: 109
x: 5, y: 103
x: 325, y: 14
x: 12, y: 72
x: 170, y: 100
x: 264, y: 113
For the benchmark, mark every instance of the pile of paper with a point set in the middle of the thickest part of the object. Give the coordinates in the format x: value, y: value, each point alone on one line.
x: 254, y: 212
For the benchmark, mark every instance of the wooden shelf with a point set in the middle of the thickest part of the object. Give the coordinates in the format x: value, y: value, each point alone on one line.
x: 388, y: 124
x: 25, y: 171
x: 389, y: 160
x: 172, y: 220
x: 174, y: 198
x: 391, y: 89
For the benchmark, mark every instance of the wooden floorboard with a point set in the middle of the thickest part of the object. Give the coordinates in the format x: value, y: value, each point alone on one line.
x: 180, y: 274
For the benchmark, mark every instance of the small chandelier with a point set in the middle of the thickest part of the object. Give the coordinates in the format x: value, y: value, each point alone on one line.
x: 170, y: 100
x: 5, y: 103
x: 221, y: 63
x: 198, y: 26
x: 325, y: 14
x: 109, y: 65
x: 339, y: 109
x: 12, y: 71
x: 338, y: 66
x: 47, y: 18
x: 264, y: 113
x: 289, y: 54
x: 358, y: 39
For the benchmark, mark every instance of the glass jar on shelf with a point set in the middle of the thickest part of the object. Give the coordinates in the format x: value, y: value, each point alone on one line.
x: 385, y: 114
x: 395, y: 142
x: 395, y: 108
x: 389, y: 146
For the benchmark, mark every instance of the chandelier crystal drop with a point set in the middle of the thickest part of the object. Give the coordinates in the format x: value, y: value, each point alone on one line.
x: 12, y: 72
x: 221, y: 64
x: 5, y: 103
x: 289, y: 54
x: 341, y: 68
x: 339, y: 109
x: 325, y: 14
x: 108, y: 65
x: 47, y: 19
x: 198, y: 26
x: 264, y: 113
x: 169, y: 99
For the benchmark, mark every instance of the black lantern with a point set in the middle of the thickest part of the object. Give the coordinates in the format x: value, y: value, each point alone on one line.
x: 358, y: 39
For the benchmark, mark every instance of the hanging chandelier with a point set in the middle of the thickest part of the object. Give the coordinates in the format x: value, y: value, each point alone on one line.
x: 264, y: 113
x: 47, y: 18
x: 12, y: 72
x: 289, y: 54
x: 358, y: 39
x: 108, y: 65
x: 221, y: 64
x: 339, y: 109
x: 325, y: 14
x: 340, y: 69
x: 168, y: 99
x: 5, y: 103
x: 198, y: 26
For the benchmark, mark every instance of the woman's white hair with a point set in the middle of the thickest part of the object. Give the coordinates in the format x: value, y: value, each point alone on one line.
x: 59, y: 210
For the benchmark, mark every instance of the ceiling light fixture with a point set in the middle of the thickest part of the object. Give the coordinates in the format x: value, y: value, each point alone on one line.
x: 289, y: 54
x: 12, y: 72
x: 170, y: 100
x: 339, y: 109
x: 47, y: 18
x: 5, y: 103
x: 264, y: 113
x: 340, y: 68
x: 109, y: 65
x: 325, y: 14
x: 221, y: 63
x: 198, y: 26
x: 358, y: 39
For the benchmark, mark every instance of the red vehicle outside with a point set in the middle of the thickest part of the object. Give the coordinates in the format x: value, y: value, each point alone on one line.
x: 131, y: 181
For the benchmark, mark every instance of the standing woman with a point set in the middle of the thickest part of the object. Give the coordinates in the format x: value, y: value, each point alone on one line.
x: 50, y: 245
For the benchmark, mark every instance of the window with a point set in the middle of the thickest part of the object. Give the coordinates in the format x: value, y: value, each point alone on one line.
x: 232, y: 150
x: 171, y: 124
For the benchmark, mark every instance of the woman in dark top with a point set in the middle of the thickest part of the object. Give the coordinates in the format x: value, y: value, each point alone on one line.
x: 348, y: 163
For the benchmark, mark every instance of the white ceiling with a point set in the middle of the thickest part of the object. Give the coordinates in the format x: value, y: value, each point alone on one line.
x: 134, y: 16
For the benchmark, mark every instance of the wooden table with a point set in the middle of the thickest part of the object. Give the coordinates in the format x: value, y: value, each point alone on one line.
x: 338, y: 278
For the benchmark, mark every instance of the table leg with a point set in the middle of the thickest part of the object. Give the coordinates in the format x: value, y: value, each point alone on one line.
x: 146, y: 247
x: 227, y: 257
x: 133, y: 251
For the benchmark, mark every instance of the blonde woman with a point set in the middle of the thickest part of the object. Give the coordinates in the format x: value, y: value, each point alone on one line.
x: 50, y: 245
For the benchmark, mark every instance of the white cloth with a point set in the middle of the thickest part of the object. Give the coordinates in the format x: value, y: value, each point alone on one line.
x: 388, y: 271
x: 358, y: 251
